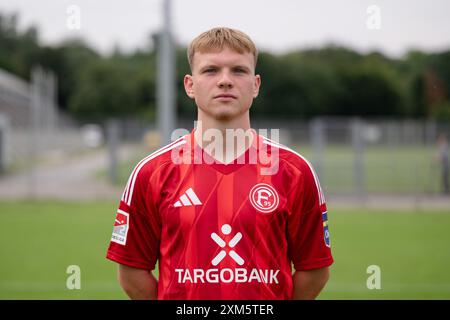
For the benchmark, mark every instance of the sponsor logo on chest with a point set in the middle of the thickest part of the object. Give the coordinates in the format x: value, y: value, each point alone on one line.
x: 227, y: 275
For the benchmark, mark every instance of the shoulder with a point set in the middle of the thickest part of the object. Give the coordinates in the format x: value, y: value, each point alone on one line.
x: 151, y: 164
x: 287, y: 155
x: 296, y: 162
x: 161, y: 156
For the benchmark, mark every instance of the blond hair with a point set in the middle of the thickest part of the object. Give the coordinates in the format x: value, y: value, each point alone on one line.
x: 217, y: 39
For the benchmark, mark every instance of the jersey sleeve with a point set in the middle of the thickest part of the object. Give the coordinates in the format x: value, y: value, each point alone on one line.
x: 137, y: 227
x: 308, y: 234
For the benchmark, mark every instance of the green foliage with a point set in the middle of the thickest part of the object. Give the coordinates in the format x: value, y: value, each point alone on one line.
x: 329, y: 81
x: 367, y: 89
x: 18, y: 49
x: 441, y: 112
x: 69, y: 61
x: 294, y: 85
x: 111, y: 87
x: 185, y: 105
x: 440, y: 63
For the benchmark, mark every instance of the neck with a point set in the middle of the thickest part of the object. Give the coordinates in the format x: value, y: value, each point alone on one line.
x: 224, y: 140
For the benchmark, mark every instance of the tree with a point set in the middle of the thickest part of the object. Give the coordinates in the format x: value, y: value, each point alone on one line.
x: 105, y: 89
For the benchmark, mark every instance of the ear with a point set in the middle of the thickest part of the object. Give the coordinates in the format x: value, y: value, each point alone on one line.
x: 256, y: 85
x: 189, y: 86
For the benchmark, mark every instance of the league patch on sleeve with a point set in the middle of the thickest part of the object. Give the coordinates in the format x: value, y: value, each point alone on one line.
x: 326, y: 232
x: 121, y: 226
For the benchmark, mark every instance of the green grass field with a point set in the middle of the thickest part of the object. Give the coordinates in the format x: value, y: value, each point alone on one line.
x: 399, y: 169
x: 39, y: 240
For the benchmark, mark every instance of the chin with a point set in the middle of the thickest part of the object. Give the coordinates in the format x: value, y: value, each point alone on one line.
x: 224, y: 116
x: 224, y: 112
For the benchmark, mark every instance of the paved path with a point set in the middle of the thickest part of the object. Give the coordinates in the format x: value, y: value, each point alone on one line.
x: 69, y: 179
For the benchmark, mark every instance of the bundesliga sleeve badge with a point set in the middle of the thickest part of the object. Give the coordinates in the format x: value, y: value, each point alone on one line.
x: 121, y: 226
x: 326, y: 232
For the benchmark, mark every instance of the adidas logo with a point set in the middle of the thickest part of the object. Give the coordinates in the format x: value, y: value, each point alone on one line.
x: 189, y: 198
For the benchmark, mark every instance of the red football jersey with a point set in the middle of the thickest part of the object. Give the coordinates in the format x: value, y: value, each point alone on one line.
x: 222, y: 231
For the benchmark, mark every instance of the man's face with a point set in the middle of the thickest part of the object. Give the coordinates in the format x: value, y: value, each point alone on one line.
x: 223, y: 83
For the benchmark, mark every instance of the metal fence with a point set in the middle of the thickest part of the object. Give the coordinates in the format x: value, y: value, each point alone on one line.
x: 354, y: 156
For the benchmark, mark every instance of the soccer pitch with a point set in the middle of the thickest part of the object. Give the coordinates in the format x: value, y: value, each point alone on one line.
x: 39, y: 240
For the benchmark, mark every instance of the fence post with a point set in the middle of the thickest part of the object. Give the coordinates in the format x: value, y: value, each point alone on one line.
x: 358, y: 149
x: 318, y: 141
x: 34, y: 129
x: 5, y: 144
x: 112, y: 138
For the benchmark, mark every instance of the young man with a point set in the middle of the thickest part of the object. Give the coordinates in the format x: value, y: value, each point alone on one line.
x: 223, y: 223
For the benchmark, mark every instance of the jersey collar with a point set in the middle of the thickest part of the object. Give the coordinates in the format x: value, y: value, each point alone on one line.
x: 248, y: 157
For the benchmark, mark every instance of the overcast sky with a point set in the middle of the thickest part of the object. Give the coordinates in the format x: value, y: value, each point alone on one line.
x: 391, y: 26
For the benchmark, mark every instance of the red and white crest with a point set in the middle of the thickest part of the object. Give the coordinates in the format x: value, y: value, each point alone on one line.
x: 264, y: 198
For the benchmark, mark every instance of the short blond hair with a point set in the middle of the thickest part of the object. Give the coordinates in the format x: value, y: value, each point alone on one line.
x: 217, y: 39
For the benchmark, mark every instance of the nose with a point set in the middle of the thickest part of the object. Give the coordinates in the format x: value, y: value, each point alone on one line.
x: 225, y: 81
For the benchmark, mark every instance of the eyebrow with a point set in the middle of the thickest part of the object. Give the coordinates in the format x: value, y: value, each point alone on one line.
x: 213, y: 66
x: 210, y: 66
x: 242, y: 67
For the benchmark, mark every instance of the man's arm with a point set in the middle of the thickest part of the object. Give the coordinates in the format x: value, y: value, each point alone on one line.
x: 308, y: 284
x: 139, y: 284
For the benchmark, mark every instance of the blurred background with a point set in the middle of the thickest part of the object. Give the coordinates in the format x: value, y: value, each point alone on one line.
x: 360, y: 88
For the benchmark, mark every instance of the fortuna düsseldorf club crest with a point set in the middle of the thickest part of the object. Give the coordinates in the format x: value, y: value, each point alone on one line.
x: 264, y: 198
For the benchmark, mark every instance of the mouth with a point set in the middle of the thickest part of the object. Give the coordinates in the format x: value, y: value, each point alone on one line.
x: 225, y: 96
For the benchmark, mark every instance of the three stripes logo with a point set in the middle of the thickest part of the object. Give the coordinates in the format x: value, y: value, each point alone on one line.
x: 189, y: 198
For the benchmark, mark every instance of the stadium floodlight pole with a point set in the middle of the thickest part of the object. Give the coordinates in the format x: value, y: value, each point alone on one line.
x: 166, y: 78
